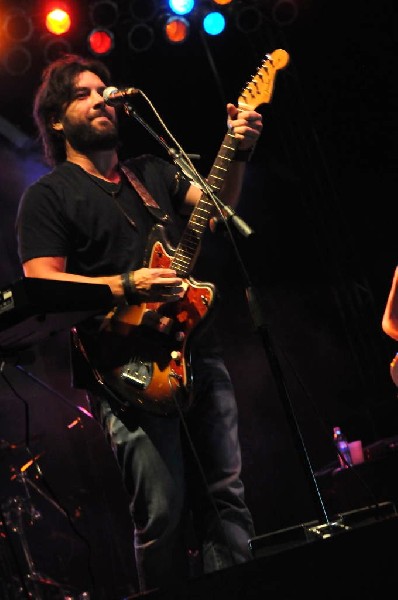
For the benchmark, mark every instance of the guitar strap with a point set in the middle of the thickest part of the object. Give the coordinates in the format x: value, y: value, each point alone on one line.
x: 145, y: 196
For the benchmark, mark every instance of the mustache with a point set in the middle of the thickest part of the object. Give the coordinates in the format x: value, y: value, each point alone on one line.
x: 103, y: 113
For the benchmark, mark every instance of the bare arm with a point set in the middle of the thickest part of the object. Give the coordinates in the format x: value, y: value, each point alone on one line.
x: 53, y: 267
x: 152, y: 284
x: 389, y: 322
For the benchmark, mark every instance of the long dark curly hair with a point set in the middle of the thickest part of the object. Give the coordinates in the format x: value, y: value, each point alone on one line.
x: 53, y: 96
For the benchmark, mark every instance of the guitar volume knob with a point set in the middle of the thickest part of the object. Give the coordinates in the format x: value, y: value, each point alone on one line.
x: 175, y: 355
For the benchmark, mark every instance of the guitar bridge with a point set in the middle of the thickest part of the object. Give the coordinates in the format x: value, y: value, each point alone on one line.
x: 137, y: 373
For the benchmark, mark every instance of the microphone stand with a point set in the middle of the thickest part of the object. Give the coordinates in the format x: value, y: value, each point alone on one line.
x: 327, y: 528
x: 184, y: 163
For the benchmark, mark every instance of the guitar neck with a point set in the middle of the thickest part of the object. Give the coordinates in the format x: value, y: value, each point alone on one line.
x: 188, y: 248
x: 222, y: 163
x: 257, y: 91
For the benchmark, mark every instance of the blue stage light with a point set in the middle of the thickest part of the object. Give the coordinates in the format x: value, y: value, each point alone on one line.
x: 214, y: 23
x: 181, y: 7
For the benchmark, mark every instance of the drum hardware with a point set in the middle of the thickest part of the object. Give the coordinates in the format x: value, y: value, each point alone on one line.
x: 27, y: 583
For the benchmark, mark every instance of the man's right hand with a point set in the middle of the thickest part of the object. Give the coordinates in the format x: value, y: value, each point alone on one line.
x: 157, y: 284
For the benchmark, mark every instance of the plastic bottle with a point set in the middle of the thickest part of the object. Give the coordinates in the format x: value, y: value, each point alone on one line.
x: 343, y: 449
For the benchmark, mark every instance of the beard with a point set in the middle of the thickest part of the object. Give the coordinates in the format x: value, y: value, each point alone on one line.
x: 85, y: 138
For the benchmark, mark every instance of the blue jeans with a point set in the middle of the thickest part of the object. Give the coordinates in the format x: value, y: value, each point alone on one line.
x: 169, y: 475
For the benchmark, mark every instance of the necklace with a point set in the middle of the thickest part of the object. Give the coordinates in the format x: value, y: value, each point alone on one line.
x: 113, y: 189
x: 108, y: 186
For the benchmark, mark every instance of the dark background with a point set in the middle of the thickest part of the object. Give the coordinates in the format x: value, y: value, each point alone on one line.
x: 320, y: 196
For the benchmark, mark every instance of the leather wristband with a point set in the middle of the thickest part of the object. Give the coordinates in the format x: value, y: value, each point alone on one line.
x: 130, y: 291
x: 243, y: 155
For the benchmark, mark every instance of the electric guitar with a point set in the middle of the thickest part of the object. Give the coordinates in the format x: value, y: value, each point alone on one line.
x: 148, y: 344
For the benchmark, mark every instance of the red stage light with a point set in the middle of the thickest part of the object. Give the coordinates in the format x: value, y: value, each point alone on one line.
x: 100, y: 42
x: 176, y: 30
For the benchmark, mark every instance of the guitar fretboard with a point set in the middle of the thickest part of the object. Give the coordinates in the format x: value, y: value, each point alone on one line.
x: 188, y: 247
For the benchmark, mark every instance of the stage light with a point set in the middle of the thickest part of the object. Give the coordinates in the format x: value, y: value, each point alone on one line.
x: 18, y: 26
x: 176, y: 30
x: 248, y: 19
x: 54, y: 47
x: 284, y: 12
x: 181, y: 7
x: 104, y: 13
x: 140, y: 37
x: 100, y: 41
x: 18, y: 60
x: 143, y: 10
x: 58, y: 21
x: 214, y: 23
x: 222, y: 2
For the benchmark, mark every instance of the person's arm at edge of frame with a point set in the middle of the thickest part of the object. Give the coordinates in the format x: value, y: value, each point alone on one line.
x: 389, y: 322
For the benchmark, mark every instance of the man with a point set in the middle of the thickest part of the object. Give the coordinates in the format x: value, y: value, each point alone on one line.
x: 88, y: 220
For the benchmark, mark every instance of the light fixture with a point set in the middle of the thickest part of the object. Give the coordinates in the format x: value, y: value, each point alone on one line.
x: 17, y: 26
x: 181, y: 7
x: 143, y: 10
x: 100, y: 41
x: 140, y: 37
x: 176, y: 29
x: 17, y: 61
x: 104, y: 13
x: 58, y: 21
x: 214, y: 23
x: 284, y: 12
x: 248, y: 19
x: 54, y: 47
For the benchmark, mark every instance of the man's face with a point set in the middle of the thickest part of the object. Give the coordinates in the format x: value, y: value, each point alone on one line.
x: 88, y: 123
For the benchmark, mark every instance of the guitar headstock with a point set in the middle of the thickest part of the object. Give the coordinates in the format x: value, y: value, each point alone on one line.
x: 260, y: 88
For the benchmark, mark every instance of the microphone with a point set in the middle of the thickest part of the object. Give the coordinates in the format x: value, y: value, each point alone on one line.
x: 114, y: 97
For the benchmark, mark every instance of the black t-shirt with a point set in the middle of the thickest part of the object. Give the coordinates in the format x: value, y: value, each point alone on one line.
x: 102, y: 228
